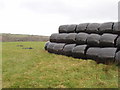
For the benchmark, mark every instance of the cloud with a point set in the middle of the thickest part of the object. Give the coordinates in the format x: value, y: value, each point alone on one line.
x: 1, y: 4
x: 43, y: 17
x: 77, y: 10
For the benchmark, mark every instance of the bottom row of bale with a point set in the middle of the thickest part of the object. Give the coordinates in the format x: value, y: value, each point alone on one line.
x: 102, y: 55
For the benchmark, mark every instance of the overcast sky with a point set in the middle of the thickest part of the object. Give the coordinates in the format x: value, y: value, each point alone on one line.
x: 43, y: 17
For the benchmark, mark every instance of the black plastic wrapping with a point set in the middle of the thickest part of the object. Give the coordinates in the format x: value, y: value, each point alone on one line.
x: 79, y: 51
x: 61, y: 38
x: 108, y: 40
x: 81, y: 38
x: 50, y: 47
x: 71, y: 38
x: 106, y: 27
x: 81, y: 27
x: 58, y: 48
x: 107, y: 54
x: 53, y: 37
x: 93, y: 28
x: 46, y: 44
x: 68, y: 49
x: 92, y: 53
x: 93, y: 40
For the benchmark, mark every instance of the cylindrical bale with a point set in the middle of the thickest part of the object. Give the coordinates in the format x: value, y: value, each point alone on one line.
x: 81, y: 27
x: 50, y: 47
x: 63, y: 28
x: 93, y: 28
x: 53, y: 37
x: 68, y: 49
x: 71, y: 28
x: 117, y: 57
x: 79, y: 51
x: 81, y: 38
x: 108, y: 40
x: 92, y: 53
x: 46, y: 44
x: 61, y: 38
x: 93, y: 40
x: 116, y: 28
x: 71, y: 38
x: 106, y: 27
x: 107, y: 54
x: 118, y: 42
x: 58, y: 48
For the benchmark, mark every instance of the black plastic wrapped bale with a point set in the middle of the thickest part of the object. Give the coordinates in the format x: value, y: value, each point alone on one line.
x: 117, y: 57
x: 116, y: 28
x: 93, y: 40
x: 92, y: 53
x: 53, y: 37
x: 71, y: 28
x: 81, y: 27
x: 50, y: 47
x: 58, y: 48
x: 79, y: 51
x: 118, y: 42
x: 71, y: 38
x: 63, y: 29
x: 68, y: 49
x: 93, y: 28
x: 81, y: 38
x: 108, y: 40
x: 61, y: 38
x: 46, y: 44
x: 107, y: 54
x: 106, y: 27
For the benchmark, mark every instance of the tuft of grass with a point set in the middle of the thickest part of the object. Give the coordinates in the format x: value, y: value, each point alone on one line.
x: 36, y: 68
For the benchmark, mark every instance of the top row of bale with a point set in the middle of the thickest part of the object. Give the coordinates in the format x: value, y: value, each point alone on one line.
x: 98, y: 28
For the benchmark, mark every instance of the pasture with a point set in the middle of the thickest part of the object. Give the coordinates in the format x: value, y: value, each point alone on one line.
x: 36, y: 68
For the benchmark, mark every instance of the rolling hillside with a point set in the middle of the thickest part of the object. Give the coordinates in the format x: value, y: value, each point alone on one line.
x: 7, y: 37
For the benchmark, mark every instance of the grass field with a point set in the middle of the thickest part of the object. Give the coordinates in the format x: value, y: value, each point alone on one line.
x: 36, y: 68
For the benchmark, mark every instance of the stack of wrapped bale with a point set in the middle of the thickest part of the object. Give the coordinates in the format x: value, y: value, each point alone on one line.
x: 97, y: 41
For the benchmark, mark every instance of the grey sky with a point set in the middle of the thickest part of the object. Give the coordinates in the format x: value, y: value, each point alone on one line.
x: 43, y: 17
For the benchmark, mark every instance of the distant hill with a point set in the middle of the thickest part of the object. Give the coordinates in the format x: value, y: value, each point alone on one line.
x: 8, y: 37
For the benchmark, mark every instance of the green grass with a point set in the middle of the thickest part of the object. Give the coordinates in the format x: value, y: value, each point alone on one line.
x: 36, y: 68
